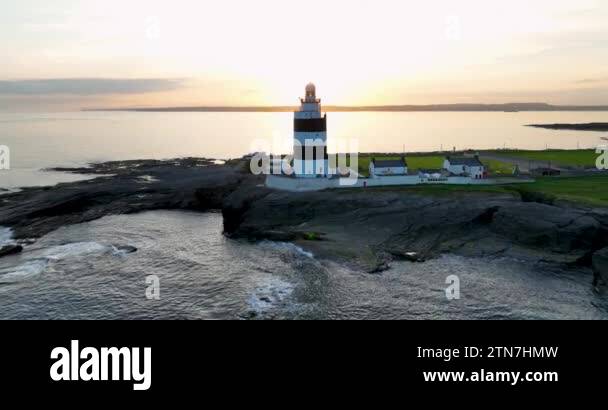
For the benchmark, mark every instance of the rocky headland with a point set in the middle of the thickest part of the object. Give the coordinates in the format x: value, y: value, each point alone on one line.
x: 366, y: 228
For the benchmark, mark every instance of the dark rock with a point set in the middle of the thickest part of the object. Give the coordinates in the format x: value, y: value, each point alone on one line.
x: 189, y: 184
x: 600, y: 264
x: 541, y: 226
x: 367, y: 228
x: 310, y: 236
x: 382, y: 267
x: 361, y: 226
x: 10, y: 250
x: 249, y: 315
x: 126, y: 248
x: 411, y: 256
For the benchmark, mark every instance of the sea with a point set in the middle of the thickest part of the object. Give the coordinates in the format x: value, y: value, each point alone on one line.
x: 83, y: 272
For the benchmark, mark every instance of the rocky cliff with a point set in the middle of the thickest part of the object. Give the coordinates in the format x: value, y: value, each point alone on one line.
x: 373, y: 227
x: 368, y: 228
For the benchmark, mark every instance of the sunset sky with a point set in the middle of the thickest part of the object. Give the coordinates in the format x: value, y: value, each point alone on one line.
x: 70, y: 54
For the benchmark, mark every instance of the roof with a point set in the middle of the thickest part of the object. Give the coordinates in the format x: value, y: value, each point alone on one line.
x: 390, y: 163
x: 468, y: 161
x: 431, y: 171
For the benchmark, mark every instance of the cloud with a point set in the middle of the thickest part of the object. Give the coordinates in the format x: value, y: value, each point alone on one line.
x: 88, y: 86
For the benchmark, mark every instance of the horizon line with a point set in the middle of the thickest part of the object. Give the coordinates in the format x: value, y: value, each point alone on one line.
x: 473, y: 107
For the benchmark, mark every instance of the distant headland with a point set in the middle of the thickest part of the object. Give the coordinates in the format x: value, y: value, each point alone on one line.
x: 593, y: 126
x: 509, y: 107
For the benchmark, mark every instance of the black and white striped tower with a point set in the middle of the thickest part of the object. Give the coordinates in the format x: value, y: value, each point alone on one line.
x: 310, y: 137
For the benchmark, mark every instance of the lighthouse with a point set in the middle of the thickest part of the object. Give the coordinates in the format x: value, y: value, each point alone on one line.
x: 310, y: 137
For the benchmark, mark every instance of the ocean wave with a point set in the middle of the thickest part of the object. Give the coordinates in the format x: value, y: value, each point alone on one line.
x: 6, y: 237
x: 24, y: 271
x: 269, y: 295
x: 148, y: 179
x: 58, y: 253
x: 6, y: 191
x: 289, y: 247
x: 41, y: 261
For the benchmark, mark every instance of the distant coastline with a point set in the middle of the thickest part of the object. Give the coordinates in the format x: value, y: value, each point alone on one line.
x: 510, y: 108
x: 594, y: 126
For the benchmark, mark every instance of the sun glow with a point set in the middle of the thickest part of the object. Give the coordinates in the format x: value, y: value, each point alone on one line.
x: 238, y: 52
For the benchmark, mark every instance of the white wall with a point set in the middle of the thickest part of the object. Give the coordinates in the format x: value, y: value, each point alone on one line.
x: 457, y: 169
x: 319, y: 184
x: 310, y: 169
x: 387, y: 171
x: 461, y: 169
x: 476, y: 171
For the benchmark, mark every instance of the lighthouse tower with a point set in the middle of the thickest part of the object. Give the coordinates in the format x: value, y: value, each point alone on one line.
x: 310, y: 137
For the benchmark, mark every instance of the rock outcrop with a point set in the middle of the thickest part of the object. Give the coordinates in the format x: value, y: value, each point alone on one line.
x: 600, y: 265
x: 372, y: 227
x: 366, y: 227
x: 10, y: 250
x: 122, y: 188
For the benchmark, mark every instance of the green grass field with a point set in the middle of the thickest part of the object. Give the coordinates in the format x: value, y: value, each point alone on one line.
x: 575, y: 158
x: 588, y: 190
x: 498, y: 167
x: 416, y: 162
x: 592, y: 190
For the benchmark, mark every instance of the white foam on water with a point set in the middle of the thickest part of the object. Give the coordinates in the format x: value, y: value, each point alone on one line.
x: 148, y: 179
x: 39, y: 265
x: 6, y: 237
x: 57, y: 253
x: 269, y: 295
x: 289, y: 247
x: 9, y: 191
x: 24, y: 271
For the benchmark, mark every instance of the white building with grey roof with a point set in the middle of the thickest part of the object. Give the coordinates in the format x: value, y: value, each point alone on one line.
x: 466, y: 166
x: 390, y: 167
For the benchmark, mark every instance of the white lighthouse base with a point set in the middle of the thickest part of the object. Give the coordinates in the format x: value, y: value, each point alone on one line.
x: 311, y: 169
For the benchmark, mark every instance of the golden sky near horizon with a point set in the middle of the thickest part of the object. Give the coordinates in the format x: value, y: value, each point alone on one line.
x: 75, y: 53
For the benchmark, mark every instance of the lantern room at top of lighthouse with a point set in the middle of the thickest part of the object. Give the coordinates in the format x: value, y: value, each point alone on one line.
x: 311, y: 95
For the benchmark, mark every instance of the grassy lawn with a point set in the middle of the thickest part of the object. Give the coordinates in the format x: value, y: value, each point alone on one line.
x: 592, y: 190
x: 416, y: 162
x: 589, y: 190
x: 577, y: 158
x: 498, y: 167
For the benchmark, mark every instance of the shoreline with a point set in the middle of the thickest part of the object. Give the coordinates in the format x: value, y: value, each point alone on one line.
x: 592, y: 127
x: 368, y: 228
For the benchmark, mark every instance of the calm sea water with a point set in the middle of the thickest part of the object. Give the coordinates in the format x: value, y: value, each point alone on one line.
x: 76, y: 273
x: 38, y: 141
